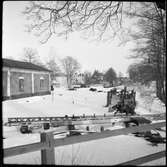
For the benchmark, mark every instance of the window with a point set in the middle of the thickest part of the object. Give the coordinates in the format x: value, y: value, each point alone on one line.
x: 21, y: 84
x: 41, y: 82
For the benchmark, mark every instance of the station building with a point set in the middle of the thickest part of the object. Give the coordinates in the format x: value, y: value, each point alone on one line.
x: 23, y: 79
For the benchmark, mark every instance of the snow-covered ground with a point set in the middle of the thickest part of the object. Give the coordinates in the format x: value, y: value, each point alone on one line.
x: 77, y: 102
x: 65, y: 102
x: 147, y: 102
x: 107, y: 151
x: 149, y: 105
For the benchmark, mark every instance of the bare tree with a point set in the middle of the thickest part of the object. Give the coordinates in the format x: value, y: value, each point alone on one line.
x: 110, y: 75
x: 87, y: 77
x: 97, y: 77
x: 142, y: 72
x: 52, y: 65
x: 70, y: 66
x: 63, y: 17
x: 102, y: 19
x: 29, y: 55
x: 151, y: 43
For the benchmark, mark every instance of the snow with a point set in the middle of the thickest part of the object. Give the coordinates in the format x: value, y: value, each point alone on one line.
x: 79, y: 102
x: 147, y: 102
x: 108, y: 151
x: 149, y: 106
x: 112, y: 150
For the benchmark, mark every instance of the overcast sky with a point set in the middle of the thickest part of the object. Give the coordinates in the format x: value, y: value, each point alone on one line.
x: 91, y: 55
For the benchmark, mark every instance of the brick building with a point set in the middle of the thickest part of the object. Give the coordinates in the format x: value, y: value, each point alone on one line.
x: 23, y: 79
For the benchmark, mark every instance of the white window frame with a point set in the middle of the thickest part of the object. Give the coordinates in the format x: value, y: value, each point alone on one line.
x: 21, y: 89
x: 41, y: 85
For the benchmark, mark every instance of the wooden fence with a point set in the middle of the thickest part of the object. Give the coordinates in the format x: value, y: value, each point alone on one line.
x: 48, y: 143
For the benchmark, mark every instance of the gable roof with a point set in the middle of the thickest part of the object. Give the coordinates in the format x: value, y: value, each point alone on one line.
x: 22, y: 65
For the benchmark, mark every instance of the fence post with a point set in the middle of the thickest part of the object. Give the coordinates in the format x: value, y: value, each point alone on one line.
x: 108, y: 94
x: 48, y: 154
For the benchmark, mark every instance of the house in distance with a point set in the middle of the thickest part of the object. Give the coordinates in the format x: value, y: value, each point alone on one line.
x: 23, y: 79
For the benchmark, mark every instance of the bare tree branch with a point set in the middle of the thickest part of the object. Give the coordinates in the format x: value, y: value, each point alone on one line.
x: 67, y: 16
x: 71, y: 66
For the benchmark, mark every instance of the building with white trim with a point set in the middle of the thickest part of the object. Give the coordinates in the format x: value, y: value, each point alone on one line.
x: 22, y: 79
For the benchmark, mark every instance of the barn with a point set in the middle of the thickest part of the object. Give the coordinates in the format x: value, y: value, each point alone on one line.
x: 23, y: 79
